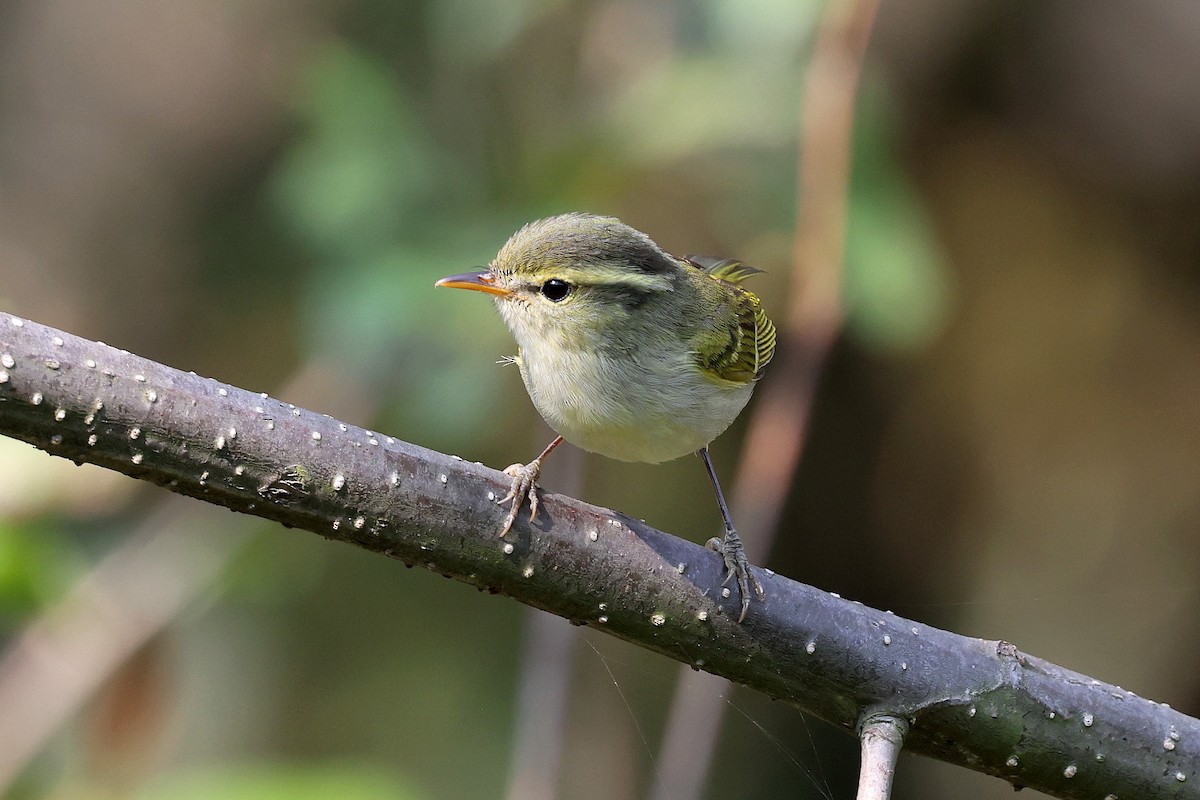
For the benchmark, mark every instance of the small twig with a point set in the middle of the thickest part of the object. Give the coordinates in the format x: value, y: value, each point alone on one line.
x: 882, y: 737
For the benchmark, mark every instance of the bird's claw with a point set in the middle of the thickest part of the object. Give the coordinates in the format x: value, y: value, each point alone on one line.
x: 737, y: 566
x: 524, y: 484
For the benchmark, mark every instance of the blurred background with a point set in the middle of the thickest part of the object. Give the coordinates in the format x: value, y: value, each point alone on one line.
x: 1005, y: 443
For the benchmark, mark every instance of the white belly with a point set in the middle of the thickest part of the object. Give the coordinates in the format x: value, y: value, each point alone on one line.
x: 648, y: 413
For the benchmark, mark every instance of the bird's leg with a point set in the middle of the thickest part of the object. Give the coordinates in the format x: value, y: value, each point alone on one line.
x: 731, y: 548
x: 524, y: 484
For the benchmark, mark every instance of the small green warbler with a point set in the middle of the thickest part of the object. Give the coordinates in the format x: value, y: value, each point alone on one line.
x: 626, y: 350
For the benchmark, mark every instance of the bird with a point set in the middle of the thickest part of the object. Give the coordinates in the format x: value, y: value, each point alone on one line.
x: 628, y: 351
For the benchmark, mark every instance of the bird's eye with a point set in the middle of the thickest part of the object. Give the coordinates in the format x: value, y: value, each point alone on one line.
x: 555, y: 289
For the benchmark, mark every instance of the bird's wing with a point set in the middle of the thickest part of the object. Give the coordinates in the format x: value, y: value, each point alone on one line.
x: 738, y: 347
x: 729, y: 270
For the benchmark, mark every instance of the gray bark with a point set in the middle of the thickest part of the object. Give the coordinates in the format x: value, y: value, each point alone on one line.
x: 981, y: 704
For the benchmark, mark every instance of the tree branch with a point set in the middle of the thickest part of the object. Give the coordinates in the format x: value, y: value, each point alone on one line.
x: 881, y: 737
x: 977, y: 703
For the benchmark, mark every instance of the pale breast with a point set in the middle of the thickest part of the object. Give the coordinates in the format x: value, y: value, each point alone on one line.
x: 627, y: 410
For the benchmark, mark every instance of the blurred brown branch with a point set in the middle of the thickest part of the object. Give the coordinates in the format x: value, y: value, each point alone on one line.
x: 977, y: 703
x: 60, y: 659
x: 776, y: 434
x: 778, y: 427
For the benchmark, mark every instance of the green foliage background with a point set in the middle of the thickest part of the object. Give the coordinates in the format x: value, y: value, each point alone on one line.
x: 1006, y: 442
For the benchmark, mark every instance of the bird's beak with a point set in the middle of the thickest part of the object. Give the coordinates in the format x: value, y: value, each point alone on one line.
x: 482, y: 281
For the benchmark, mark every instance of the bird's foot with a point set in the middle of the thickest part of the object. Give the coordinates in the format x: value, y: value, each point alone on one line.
x: 736, y: 566
x: 524, y: 484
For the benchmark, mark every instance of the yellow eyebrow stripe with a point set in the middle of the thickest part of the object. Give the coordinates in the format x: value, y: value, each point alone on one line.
x: 599, y: 275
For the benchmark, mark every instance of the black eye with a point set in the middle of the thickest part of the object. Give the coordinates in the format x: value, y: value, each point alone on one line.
x: 555, y: 289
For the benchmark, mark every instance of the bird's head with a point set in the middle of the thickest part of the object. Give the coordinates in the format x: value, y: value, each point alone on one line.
x: 572, y: 276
